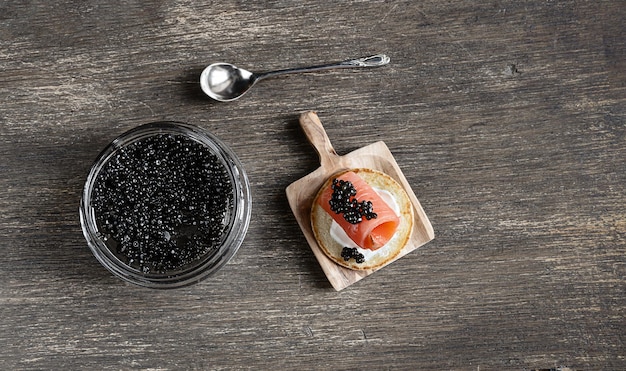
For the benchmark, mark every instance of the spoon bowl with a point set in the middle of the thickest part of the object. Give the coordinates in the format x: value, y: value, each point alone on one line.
x: 225, y: 82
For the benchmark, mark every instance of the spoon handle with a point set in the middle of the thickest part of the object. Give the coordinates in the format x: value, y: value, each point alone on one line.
x: 372, y: 61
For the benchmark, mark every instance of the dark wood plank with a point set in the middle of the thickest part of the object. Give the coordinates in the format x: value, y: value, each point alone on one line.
x: 508, y: 119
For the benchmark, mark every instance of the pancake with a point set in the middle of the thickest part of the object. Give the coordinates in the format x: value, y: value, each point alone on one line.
x: 321, y: 222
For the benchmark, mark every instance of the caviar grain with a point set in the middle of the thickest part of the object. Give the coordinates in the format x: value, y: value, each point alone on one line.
x: 163, y: 203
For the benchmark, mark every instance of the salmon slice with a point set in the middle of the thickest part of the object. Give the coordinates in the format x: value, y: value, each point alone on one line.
x: 369, y: 234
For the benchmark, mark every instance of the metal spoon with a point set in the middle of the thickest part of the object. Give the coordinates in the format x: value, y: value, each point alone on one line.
x: 225, y: 82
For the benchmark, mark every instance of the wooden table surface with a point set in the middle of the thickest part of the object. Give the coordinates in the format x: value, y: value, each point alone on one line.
x: 508, y: 119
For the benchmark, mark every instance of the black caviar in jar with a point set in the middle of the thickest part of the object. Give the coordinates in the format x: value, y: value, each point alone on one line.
x: 161, y: 203
x: 165, y: 205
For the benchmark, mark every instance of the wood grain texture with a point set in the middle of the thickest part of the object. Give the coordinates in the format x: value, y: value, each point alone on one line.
x: 507, y: 118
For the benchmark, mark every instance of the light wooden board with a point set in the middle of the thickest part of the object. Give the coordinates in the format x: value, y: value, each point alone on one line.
x: 301, y: 193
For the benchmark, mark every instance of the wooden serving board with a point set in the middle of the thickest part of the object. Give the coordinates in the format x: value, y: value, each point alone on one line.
x: 301, y: 193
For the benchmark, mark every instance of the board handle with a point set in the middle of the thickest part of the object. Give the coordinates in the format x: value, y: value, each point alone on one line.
x: 315, y: 133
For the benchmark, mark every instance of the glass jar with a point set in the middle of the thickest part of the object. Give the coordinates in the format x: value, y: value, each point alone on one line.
x: 121, y: 213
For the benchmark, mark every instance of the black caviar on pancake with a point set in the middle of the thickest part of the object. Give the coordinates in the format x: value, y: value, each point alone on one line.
x: 343, y: 201
x: 348, y: 253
